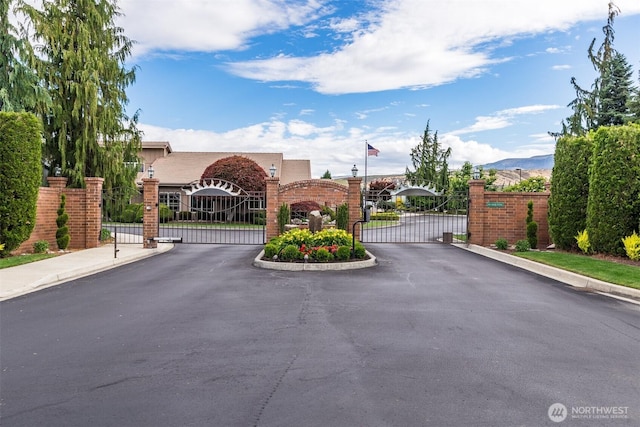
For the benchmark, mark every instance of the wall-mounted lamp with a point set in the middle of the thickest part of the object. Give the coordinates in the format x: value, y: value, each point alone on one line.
x: 354, y: 171
x: 272, y: 170
x: 150, y: 170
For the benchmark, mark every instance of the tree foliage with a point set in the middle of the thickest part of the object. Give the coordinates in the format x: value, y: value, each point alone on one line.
x: 613, y: 205
x: 20, y: 152
x: 569, y: 190
x: 430, y: 162
x: 535, y: 184
x: 79, y: 56
x: 326, y: 175
x: 19, y: 89
x: 239, y: 170
x: 459, y: 179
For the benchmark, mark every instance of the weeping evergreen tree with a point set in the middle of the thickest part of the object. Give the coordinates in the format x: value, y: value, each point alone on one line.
x: 616, y: 90
x: 429, y: 161
x: 19, y: 89
x: 79, y: 55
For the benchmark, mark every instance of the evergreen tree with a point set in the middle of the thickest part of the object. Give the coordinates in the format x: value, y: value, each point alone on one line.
x: 326, y: 175
x: 429, y: 160
x: 79, y: 54
x: 19, y: 89
x: 615, y: 92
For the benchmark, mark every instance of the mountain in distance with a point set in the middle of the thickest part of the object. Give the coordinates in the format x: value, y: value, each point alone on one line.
x: 530, y: 163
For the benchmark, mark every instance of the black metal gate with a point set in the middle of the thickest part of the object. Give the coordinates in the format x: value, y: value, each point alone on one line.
x: 213, y: 211
x: 122, y: 211
x: 416, y: 219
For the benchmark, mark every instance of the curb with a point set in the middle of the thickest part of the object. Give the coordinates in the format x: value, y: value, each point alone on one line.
x: 558, y: 274
x: 298, y: 266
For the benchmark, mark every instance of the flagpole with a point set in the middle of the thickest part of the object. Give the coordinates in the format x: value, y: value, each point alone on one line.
x: 366, y: 156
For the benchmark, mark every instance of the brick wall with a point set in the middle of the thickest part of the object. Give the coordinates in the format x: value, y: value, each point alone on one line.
x: 322, y: 191
x: 82, y: 206
x: 495, y: 215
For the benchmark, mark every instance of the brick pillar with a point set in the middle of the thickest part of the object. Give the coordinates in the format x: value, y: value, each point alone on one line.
x: 58, y: 182
x: 354, y: 199
x: 150, y: 216
x: 93, y: 209
x: 272, y: 197
x: 477, y: 212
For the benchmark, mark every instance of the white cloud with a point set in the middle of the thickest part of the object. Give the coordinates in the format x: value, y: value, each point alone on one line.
x: 503, y: 118
x: 561, y: 67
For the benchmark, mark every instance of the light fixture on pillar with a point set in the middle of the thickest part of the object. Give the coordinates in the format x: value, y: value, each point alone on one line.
x: 476, y: 173
x: 57, y: 171
x: 150, y: 170
x: 354, y: 171
x: 272, y: 170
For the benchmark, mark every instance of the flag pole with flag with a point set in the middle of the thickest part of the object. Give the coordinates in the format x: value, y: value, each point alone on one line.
x: 371, y: 151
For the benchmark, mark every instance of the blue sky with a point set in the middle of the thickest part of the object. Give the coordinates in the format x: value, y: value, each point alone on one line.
x: 316, y: 78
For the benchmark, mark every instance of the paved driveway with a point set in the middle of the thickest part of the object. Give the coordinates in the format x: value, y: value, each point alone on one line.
x: 432, y: 336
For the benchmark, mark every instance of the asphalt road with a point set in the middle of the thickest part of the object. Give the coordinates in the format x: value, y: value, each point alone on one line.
x: 415, y: 228
x: 432, y: 336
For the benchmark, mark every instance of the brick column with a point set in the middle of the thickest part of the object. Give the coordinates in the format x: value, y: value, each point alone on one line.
x: 93, y: 208
x: 150, y: 215
x: 477, y: 212
x: 354, y: 199
x: 272, y: 197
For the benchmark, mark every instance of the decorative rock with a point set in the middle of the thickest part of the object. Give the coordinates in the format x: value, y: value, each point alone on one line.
x: 315, y: 221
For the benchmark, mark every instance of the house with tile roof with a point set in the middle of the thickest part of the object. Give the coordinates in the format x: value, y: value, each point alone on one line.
x: 177, y: 170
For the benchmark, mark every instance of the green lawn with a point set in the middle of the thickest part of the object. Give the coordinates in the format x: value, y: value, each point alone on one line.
x: 12, y: 261
x: 608, y: 271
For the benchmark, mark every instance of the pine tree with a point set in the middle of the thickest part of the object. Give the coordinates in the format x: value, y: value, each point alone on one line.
x: 79, y: 55
x: 429, y: 160
x: 62, y: 233
x: 615, y: 92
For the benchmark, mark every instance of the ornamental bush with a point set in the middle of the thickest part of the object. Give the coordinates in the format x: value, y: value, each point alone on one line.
x: 632, y: 246
x: 323, y: 255
x: 335, y: 241
x: 532, y: 227
x: 290, y: 253
x: 20, y: 177
x: 582, y: 239
x: 239, y: 170
x: 62, y: 233
x: 502, y: 244
x: 40, y: 247
x: 342, y: 216
x: 523, y: 246
x: 343, y: 253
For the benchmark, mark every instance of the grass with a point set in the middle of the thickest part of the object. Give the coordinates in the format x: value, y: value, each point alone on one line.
x: 608, y: 271
x: 13, y: 261
x: 379, y: 223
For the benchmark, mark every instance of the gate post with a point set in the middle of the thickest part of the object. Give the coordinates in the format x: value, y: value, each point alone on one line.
x: 477, y: 212
x: 272, y: 197
x: 93, y: 200
x: 353, y: 197
x: 150, y: 215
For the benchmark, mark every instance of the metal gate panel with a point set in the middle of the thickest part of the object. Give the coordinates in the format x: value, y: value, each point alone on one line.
x: 122, y: 211
x: 421, y: 219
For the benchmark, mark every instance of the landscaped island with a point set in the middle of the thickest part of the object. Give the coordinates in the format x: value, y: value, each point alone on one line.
x: 301, y: 245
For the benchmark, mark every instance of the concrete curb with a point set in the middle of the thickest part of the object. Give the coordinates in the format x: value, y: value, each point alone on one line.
x: 299, y: 266
x: 560, y: 275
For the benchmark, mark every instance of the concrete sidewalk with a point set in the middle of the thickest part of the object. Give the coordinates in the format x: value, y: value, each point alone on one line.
x: 22, y: 279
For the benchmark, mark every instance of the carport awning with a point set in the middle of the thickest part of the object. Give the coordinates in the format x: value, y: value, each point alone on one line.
x: 416, y: 191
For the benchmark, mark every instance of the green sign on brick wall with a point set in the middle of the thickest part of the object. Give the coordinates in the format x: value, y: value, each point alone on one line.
x: 495, y: 204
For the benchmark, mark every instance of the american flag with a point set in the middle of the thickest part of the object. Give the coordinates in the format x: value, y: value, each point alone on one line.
x: 372, y: 151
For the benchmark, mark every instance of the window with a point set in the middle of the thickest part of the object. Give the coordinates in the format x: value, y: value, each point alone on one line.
x: 172, y: 200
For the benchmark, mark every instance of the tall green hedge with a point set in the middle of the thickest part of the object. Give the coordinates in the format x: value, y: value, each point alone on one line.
x: 614, y: 194
x: 20, y: 175
x: 569, y: 190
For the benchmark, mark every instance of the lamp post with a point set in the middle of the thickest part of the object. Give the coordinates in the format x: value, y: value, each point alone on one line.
x: 354, y: 171
x: 476, y: 173
x: 520, y: 173
x: 272, y: 170
x: 150, y: 171
x: 57, y: 171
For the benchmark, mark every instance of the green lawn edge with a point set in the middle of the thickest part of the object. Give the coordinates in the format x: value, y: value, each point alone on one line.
x: 16, y: 260
x: 607, y: 271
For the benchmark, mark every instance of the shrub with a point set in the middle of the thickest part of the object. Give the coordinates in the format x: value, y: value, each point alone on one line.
x: 20, y: 177
x: 260, y: 218
x: 360, y: 251
x: 385, y: 216
x: 331, y: 236
x: 523, y: 246
x: 343, y: 253
x: 632, y: 246
x: 502, y: 244
x: 40, y: 247
x: 327, y: 211
x: 342, y: 217
x: 62, y: 233
x: 165, y: 213
x: 132, y: 213
x: 583, y: 241
x: 290, y: 253
x: 239, y: 170
x: 323, y: 255
x: 532, y: 227
x: 297, y: 237
x: 105, y: 234
x: 284, y: 217
x: 271, y: 249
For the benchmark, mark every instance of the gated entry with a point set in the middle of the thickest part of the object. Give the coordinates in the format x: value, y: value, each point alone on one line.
x: 210, y: 211
x: 415, y: 215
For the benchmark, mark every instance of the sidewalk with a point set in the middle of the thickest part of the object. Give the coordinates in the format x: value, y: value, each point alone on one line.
x: 22, y: 279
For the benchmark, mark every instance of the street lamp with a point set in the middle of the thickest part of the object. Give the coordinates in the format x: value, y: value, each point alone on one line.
x: 354, y: 171
x: 520, y: 172
x: 150, y: 171
x: 272, y: 170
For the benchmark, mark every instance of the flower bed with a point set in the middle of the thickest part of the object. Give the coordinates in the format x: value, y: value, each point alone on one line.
x: 300, y: 245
